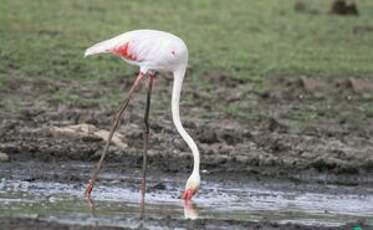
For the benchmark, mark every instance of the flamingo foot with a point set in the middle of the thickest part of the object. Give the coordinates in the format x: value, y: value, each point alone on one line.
x: 89, y: 189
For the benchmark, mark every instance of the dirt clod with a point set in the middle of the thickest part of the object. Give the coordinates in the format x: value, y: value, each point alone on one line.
x: 361, y: 85
x: 88, y: 133
x: 344, y: 7
x: 4, y: 157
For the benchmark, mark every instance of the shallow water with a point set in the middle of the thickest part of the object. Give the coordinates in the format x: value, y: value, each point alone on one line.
x: 117, y: 204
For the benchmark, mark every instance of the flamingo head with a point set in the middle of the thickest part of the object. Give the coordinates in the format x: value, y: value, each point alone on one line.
x: 191, y: 187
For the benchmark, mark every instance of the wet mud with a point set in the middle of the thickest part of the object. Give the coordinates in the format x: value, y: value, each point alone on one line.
x: 295, y: 132
x: 50, y: 197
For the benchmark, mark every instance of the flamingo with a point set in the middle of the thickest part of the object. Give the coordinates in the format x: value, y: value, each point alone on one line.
x: 152, y: 51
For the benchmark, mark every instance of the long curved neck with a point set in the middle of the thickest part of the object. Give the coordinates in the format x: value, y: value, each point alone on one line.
x: 176, y: 91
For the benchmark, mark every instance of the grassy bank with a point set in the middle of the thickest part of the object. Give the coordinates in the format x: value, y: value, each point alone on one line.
x: 245, y: 39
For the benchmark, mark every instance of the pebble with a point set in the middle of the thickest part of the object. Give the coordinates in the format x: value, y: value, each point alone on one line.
x: 4, y: 157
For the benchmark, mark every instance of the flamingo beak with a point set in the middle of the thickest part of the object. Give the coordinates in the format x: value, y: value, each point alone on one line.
x: 188, y: 194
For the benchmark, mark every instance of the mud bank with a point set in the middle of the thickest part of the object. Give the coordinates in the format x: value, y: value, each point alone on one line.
x: 36, y: 224
x: 288, y: 125
x: 230, y: 149
x: 52, y: 196
x: 290, y: 133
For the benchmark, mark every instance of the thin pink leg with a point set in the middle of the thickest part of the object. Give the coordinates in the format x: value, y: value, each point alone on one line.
x: 116, y: 120
x: 146, y: 139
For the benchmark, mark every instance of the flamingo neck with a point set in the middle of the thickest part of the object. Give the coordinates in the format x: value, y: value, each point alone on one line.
x: 176, y: 91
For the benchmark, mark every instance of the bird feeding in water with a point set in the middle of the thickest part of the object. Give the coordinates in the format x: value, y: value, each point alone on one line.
x: 153, y: 51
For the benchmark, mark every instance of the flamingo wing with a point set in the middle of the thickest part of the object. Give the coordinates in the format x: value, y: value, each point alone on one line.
x: 150, y: 49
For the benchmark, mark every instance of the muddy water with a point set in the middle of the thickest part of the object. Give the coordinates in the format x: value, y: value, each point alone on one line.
x: 117, y: 202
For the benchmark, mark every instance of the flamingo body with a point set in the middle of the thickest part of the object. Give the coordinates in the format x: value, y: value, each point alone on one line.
x: 157, y: 51
x: 148, y: 49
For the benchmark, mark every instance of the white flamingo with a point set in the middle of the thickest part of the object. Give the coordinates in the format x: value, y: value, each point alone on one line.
x: 153, y: 51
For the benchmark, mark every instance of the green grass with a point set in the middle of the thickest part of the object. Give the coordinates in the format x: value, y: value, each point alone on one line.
x: 248, y: 39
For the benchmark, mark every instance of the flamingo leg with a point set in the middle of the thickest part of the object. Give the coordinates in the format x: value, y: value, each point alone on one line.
x: 116, y: 121
x: 146, y: 139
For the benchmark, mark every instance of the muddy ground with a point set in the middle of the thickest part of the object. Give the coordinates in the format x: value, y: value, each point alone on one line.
x: 19, y: 224
x: 298, y: 129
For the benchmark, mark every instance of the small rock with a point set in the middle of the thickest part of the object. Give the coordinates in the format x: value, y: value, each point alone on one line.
x: 208, y: 136
x: 159, y: 186
x: 89, y: 133
x: 311, y: 85
x: 275, y: 125
x: 361, y: 85
x: 344, y: 7
x: 4, y: 157
x: 300, y: 6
